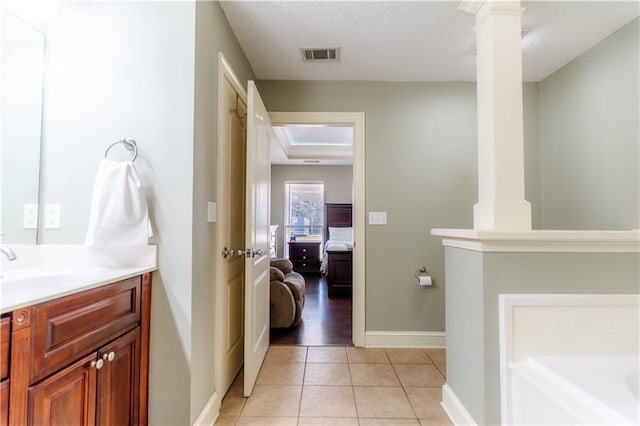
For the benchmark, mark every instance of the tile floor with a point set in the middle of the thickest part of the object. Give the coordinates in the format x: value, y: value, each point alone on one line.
x: 321, y: 385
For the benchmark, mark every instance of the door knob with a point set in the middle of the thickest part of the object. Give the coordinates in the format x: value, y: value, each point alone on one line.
x: 109, y: 357
x: 257, y: 252
x: 226, y: 253
x: 97, y: 364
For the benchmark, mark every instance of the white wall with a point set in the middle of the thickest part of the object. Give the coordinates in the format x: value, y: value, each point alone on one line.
x: 117, y: 70
x: 21, y: 71
x: 147, y: 70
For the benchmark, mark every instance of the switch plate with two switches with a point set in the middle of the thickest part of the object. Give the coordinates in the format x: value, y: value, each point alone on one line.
x: 377, y: 218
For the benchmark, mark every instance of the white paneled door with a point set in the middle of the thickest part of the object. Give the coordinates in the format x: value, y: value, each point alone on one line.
x: 258, y: 184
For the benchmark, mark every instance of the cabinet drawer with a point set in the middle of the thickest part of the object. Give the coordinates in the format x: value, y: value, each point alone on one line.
x: 302, y: 251
x: 5, y: 333
x: 309, y: 266
x: 71, y: 326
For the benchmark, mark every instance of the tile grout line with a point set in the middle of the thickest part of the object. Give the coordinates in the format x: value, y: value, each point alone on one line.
x: 304, y: 374
x: 403, y: 389
x: 358, y: 420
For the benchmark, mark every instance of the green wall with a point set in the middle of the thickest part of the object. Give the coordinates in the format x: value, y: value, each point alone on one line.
x: 590, y: 137
x: 212, y: 35
x: 421, y: 169
x: 588, y: 160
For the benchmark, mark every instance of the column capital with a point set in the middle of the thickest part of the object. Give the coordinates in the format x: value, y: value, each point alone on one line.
x: 493, y: 7
x: 471, y: 6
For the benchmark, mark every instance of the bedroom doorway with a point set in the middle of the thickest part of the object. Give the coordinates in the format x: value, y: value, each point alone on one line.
x: 338, y: 319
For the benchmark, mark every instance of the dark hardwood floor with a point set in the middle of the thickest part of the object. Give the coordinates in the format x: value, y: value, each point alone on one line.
x: 324, y: 321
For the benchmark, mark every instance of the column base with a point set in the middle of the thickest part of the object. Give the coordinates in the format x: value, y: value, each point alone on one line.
x: 502, y: 216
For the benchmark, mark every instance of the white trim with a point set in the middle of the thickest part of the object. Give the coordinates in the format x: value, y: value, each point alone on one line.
x: 312, y: 151
x: 457, y: 413
x: 505, y: 349
x: 357, y: 121
x: 210, y: 411
x: 542, y: 241
x: 406, y: 339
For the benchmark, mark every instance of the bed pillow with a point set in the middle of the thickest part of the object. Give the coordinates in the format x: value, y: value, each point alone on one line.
x: 341, y: 234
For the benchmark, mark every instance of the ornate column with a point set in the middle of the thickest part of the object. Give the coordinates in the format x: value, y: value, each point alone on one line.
x: 501, y: 205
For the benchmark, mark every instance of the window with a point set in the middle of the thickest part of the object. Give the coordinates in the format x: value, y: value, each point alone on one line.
x: 304, y: 211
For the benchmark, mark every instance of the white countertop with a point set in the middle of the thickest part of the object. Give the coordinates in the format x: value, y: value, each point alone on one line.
x: 45, y: 272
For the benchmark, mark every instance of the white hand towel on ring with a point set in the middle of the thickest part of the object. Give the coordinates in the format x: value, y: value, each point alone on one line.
x: 119, y: 215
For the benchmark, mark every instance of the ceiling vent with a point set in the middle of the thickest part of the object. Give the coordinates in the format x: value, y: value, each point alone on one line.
x: 322, y: 54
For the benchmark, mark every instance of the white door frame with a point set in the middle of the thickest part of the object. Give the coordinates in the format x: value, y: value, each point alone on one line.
x: 225, y: 72
x: 356, y: 120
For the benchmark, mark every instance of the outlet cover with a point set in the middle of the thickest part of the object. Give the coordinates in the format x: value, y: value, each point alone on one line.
x: 30, y: 216
x: 377, y: 218
x: 52, y: 216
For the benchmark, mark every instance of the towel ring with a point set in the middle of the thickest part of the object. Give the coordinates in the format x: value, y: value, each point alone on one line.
x: 129, y: 144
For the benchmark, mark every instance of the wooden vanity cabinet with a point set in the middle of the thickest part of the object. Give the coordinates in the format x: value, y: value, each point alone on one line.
x: 5, y: 345
x: 83, y: 359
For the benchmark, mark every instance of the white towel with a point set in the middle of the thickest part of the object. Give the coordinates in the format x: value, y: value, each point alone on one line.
x: 119, y: 215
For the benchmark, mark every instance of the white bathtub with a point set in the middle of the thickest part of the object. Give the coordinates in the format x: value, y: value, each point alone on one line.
x: 576, y: 390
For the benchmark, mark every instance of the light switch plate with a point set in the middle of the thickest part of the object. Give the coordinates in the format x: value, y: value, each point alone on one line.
x: 30, y: 216
x: 212, y: 212
x: 52, y: 216
x: 377, y: 218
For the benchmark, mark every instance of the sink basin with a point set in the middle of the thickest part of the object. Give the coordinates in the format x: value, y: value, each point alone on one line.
x: 29, y: 286
x: 48, y: 276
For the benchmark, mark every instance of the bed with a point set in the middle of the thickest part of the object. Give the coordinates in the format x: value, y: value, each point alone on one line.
x: 337, y: 262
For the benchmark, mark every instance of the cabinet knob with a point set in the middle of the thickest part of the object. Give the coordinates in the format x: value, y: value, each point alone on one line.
x: 97, y: 364
x: 109, y: 357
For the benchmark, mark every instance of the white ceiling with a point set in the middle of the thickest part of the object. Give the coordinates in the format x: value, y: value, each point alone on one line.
x: 409, y: 40
x: 404, y: 41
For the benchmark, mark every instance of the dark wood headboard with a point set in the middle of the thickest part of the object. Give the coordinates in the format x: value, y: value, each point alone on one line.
x: 338, y: 216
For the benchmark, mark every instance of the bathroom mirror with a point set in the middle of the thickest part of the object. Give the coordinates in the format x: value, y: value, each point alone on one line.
x: 22, y: 71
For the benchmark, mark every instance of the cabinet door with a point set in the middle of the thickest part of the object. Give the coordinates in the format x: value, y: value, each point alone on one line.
x: 67, y: 397
x: 119, y: 381
x: 4, y: 403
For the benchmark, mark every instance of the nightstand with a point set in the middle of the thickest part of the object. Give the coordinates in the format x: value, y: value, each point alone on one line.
x: 305, y: 256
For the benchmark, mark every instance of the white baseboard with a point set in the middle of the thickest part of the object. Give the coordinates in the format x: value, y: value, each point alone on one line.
x: 210, y: 411
x: 454, y: 408
x: 405, y: 339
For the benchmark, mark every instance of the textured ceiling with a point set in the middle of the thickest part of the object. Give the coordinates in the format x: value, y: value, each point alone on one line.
x: 409, y: 40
